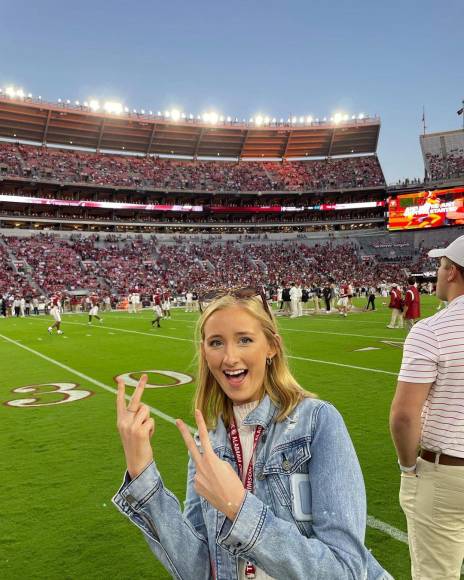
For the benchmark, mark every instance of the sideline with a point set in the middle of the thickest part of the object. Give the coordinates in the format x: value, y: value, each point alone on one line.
x: 371, y: 521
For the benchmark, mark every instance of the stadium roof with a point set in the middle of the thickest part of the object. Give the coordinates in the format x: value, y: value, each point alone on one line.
x: 78, y: 126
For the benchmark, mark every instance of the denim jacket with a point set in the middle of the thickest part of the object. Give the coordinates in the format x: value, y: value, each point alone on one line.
x: 305, y: 519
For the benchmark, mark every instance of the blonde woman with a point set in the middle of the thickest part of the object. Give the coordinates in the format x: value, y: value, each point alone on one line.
x: 274, y: 488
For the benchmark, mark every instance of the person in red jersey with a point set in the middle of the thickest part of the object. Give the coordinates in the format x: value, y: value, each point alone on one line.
x: 55, y: 311
x: 411, y: 308
x: 93, y: 312
x: 396, y: 305
x: 157, y: 310
x: 343, y: 301
x: 166, y: 304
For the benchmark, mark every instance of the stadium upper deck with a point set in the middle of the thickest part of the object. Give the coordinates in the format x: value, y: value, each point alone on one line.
x: 74, y: 125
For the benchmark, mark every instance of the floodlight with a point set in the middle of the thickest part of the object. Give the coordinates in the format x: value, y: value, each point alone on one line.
x: 68, y: 102
x: 39, y: 97
x: 59, y: 100
x: 77, y: 103
x: 309, y: 119
x: 353, y: 116
x: 175, y: 115
x: 94, y: 104
x: 183, y: 116
x: 126, y: 109
x: 20, y: 93
x: 151, y: 112
x: 361, y: 116
x: 213, y: 117
x: 167, y: 114
x: 29, y: 95
x: 221, y: 118
x: 337, y: 117
x: 10, y: 91
x: 190, y: 116
x: 294, y: 120
x: 346, y: 117
x: 301, y: 119
x: 113, y: 107
x: 229, y: 119
x: 142, y: 111
x: 324, y: 119
x: 205, y: 117
x: 281, y: 120
x: 134, y: 110
x: 259, y: 120
x: 266, y: 120
x: 274, y: 120
x: 159, y: 113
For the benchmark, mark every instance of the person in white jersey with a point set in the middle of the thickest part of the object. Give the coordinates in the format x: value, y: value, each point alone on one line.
x: 274, y: 487
x: 427, y: 414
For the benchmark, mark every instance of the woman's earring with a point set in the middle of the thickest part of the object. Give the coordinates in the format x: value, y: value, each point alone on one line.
x: 268, y: 361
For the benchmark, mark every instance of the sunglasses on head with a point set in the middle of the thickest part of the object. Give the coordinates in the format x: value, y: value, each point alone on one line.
x: 239, y: 293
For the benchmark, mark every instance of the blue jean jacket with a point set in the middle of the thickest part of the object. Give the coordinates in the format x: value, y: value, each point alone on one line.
x: 305, y: 519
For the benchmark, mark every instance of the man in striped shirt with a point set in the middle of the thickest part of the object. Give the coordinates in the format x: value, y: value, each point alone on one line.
x: 428, y: 414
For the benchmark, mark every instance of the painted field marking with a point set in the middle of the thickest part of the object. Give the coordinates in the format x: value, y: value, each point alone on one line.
x: 367, y: 348
x: 85, y: 377
x: 371, y: 521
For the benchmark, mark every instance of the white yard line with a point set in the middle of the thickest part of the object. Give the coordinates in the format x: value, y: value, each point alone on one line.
x: 341, y: 334
x: 371, y: 521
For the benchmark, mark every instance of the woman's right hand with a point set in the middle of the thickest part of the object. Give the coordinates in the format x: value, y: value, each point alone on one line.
x: 135, y: 427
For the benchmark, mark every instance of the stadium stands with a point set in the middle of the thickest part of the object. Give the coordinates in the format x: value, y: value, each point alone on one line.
x: 448, y: 167
x: 68, y: 166
x: 145, y: 264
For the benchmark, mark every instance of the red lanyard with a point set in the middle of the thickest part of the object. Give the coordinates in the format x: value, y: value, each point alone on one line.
x: 250, y: 569
x: 238, y: 453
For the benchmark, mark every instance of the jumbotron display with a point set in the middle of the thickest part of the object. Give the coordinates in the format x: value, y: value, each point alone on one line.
x: 427, y: 209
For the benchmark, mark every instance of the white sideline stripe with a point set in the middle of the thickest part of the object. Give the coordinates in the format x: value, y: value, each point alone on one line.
x: 387, y: 529
x: 340, y: 333
x: 371, y: 521
x: 105, y: 327
x: 326, y: 362
x: 314, y: 360
x: 153, y: 410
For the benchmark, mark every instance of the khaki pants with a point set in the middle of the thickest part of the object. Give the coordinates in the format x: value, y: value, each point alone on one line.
x: 433, y: 503
x: 396, y: 318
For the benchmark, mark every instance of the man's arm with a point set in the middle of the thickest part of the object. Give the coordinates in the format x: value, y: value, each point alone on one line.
x: 405, y: 419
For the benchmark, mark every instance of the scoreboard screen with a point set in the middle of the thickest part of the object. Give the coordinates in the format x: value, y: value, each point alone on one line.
x: 426, y: 209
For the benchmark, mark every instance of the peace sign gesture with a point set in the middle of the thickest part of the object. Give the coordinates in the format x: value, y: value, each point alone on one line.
x: 215, y: 480
x: 135, y: 427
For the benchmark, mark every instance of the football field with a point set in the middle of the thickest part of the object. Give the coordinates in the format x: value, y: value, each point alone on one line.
x: 61, y: 460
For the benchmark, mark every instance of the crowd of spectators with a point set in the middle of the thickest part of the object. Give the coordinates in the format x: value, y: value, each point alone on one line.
x: 72, y: 166
x: 142, y: 265
x: 446, y: 167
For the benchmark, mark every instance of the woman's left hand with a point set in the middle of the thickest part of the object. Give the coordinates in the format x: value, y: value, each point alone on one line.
x: 215, y: 480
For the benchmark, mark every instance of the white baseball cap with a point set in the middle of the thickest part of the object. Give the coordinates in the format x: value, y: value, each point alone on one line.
x: 454, y: 252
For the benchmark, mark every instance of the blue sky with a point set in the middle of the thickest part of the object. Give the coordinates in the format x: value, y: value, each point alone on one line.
x: 312, y: 57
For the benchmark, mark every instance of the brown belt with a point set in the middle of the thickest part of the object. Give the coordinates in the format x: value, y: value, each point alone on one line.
x: 443, y: 459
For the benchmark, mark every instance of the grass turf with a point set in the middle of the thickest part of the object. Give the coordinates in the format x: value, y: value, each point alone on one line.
x: 61, y: 463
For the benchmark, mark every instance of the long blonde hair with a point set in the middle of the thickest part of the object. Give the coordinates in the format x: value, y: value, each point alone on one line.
x: 279, y: 383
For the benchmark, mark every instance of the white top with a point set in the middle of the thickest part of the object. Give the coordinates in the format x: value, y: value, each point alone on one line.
x: 247, y: 433
x: 434, y: 353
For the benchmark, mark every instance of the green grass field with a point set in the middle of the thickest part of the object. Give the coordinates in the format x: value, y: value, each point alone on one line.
x: 61, y: 463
